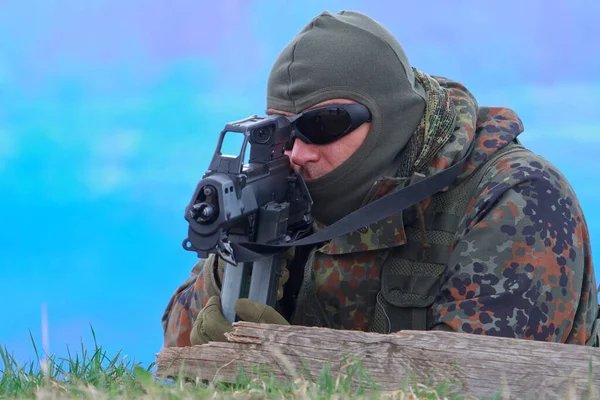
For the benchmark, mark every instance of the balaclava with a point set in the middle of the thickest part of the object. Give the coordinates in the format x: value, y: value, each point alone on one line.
x: 349, y: 55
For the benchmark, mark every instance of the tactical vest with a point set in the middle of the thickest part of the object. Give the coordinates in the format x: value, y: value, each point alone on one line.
x: 410, y: 276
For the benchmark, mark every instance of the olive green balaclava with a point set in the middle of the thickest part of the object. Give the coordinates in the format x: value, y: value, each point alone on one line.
x: 349, y: 55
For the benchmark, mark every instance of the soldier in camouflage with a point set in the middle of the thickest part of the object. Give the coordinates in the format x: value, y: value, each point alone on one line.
x: 503, y: 251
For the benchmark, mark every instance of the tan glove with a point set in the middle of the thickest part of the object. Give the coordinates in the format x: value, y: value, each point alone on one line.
x: 211, y: 325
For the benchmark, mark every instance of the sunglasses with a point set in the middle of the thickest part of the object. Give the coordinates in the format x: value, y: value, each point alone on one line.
x: 327, y: 124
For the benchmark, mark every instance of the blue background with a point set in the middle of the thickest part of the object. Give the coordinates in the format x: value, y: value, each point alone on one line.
x: 109, y: 111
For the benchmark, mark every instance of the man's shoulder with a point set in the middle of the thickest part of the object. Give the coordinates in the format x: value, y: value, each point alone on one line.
x: 521, y: 182
x: 520, y: 166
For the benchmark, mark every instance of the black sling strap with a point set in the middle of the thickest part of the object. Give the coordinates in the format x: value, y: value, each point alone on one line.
x: 372, y: 212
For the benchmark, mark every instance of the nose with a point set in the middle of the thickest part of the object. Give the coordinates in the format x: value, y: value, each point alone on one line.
x: 303, y: 153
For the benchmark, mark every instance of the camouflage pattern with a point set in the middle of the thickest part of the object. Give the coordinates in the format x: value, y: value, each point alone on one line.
x: 520, y: 264
x: 183, y: 308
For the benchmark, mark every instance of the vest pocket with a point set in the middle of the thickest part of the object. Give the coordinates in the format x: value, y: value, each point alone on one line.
x: 408, y: 289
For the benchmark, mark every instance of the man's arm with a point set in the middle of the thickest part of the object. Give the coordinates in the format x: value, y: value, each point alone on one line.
x: 186, y: 303
x: 522, y: 266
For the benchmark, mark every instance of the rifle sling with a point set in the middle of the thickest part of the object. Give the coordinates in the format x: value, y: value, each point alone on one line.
x: 379, y: 209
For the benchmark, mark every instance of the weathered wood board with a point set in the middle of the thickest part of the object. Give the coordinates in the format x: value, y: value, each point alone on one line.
x: 480, y: 365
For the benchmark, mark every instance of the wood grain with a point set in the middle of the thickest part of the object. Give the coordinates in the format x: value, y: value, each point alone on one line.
x: 476, y: 365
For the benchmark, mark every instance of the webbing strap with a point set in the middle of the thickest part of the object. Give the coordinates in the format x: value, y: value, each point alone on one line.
x: 446, y: 222
x: 388, y: 205
x: 405, y: 318
x: 436, y: 253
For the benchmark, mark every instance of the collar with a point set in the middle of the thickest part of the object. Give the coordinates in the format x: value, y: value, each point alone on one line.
x: 383, y: 234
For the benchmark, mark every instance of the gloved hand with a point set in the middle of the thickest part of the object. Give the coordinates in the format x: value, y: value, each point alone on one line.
x: 211, y: 325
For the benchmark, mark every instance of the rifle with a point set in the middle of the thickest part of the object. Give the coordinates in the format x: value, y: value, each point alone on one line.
x: 263, y: 202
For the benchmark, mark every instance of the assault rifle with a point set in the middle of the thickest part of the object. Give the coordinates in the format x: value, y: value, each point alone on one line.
x: 249, y: 214
x: 263, y: 202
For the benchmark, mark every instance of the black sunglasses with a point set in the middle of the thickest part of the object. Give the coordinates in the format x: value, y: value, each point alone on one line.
x: 327, y: 124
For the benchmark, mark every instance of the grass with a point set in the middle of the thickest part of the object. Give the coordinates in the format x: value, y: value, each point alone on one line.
x: 92, y: 374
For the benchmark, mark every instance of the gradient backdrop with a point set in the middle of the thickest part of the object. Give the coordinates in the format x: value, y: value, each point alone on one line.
x: 110, y: 110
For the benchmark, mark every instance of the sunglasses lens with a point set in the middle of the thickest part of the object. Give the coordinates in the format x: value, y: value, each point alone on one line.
x: 325, y: 125
x: 290, y: 143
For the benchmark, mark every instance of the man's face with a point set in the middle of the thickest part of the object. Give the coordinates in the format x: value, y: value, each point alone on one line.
x: 312, y: 161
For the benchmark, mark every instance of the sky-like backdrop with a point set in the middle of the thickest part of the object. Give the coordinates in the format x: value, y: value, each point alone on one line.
x: 110, y: 111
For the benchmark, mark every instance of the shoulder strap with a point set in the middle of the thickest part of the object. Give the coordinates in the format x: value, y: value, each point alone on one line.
x: 364, y: 216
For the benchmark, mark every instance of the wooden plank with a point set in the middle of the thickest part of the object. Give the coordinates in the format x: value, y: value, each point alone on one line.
x: 479, y: 365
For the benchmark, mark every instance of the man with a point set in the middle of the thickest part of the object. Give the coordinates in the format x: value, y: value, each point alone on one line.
x: 503, y: 251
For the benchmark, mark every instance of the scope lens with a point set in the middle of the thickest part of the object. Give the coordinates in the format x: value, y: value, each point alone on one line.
x: 261, y: 135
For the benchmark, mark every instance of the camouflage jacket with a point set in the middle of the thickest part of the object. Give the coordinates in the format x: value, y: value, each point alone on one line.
x: 520, y: 264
